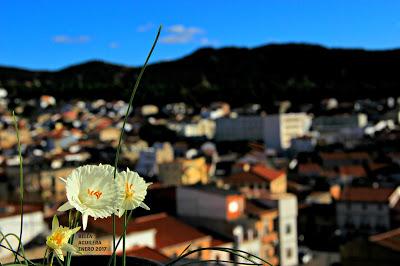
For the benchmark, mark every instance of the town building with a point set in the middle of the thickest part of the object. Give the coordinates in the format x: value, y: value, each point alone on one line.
x: 184, y: 172
x: 239, y: 129
x: 365, y: 210
x: 280, y: 129
x: 257, y: 178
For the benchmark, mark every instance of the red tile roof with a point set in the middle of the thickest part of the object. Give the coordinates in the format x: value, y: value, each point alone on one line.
x: 244, y: 177
x: 352, y: 170
x: 366, y: 194
x: 215, y: 242
x: 266, y: 172
x: 169, y: 230
x: 147, y: 253
x: 389, y: 239
x: 256, y: 175
x: 340, y: 155
x: 307, y: 168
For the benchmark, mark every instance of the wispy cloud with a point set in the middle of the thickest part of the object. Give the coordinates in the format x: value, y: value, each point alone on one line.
x: 145, y: 27
x: 207, y: 42
x: 113, y: 45
x: 180, y: 34
x: 71, y: 39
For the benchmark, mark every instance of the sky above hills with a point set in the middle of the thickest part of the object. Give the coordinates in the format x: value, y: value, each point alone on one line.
x: 48, y: 34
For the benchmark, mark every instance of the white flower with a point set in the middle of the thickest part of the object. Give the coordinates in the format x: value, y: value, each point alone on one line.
x: 133, y: 189
x: 92, y: 190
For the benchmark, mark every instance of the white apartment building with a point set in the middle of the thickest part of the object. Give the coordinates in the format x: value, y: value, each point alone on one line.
x: 277, y: 130
x: 286, y: 204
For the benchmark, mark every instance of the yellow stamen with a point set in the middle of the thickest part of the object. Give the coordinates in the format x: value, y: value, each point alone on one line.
x: 97, y: 194
x: 58, y: 238
x: 128, y: 191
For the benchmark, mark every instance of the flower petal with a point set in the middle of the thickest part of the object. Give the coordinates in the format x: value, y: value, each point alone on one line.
x: 70, y: 248
x: 59, y: 254
x: 65, y: 207
x: 54, y: 224
x: 144, y: 206
x: 84, y: 220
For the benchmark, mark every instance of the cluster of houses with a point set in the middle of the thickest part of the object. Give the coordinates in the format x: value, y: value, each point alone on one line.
x: 322, y: 177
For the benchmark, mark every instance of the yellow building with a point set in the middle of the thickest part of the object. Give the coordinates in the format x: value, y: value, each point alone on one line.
x: 184, y: 172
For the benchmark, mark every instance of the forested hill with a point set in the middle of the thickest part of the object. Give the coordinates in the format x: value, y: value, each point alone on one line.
x: 297, y: 72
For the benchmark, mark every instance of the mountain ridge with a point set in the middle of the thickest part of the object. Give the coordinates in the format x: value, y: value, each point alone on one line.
x: 264, y: 74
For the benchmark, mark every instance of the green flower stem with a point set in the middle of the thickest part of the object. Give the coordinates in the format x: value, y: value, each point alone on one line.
x: 21, y: 185
x: 124, y: 242
x: 44, y: 256
x: 135, y: 87
x: 51, y: 259
x: 74, y: 223
x: 119, y: 240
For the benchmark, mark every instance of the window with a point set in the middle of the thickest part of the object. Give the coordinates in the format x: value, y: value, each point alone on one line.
x: 289, y: 252
x: 266, y: 228
x: 288, y: 229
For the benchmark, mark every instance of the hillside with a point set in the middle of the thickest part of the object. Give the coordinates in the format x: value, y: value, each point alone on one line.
x: 298, y: 72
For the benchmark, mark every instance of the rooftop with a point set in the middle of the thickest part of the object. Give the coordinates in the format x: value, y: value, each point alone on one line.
x: 366, y: 194
x: 390, y: 239
x: 147, y: 253
x: 169, y: 230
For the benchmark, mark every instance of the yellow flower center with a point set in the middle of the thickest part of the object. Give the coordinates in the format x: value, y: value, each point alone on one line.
x: 58, y: 238
x: 95, y: 193
x: 129, y: 191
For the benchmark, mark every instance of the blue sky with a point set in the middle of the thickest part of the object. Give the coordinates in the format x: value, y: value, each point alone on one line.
x: 51, y: 34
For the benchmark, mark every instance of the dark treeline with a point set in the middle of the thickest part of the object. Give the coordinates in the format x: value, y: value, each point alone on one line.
x: 297, y: 72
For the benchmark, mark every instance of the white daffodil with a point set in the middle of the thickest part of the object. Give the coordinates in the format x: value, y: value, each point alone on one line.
x: 91, y: 190
x: 133, y: 189
x: 58, y: 240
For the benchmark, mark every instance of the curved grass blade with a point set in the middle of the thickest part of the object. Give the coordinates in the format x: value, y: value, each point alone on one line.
x: 228, y: 250
x: 4, y: 237
x: 217, y: 261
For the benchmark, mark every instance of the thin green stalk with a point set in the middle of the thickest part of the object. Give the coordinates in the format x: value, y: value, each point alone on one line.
x: 52, y: 258
x: 21, y: 183
x: 26, y: 260
x: 5, y: 237
x: 124, y: 242
x: 44, y: 256
x: 135, y: 87
x: 119, y: 240
x: 74, y: 223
